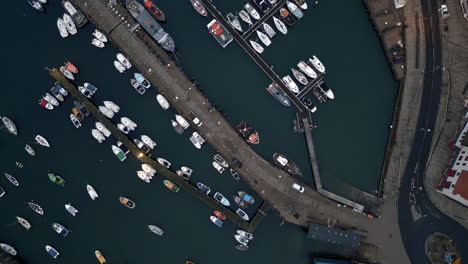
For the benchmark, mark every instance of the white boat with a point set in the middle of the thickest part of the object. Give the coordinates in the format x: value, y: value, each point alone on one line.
x: 155, y: 229
x: 23, y: 222
x: 124, y: 61
x: 128, y: 123
x: 36, y: 5
x: 144, y: 176
x: 234, y: 21
x: 242, y: 214
x: 97, y: 43
x: 99, y: 35
x: 294, y: 10
x: 198, y: 138
x: 245, y: 17
x: 252, y: 11
x: 97, y: 135
x: 302, y: 4
x: 52, y: 251
x: 76, y: 122
x: 300, y: 77
x: 123, y: 128
x: 244, y: 241
x: 60, y: 229
x: 187, y: 170
x: 91, y: 88
x: 148, y: 169
x: 92, y: 193
x: 194, y: 141
x: 42, y: 141
x: 280, y: 25
x: 264, y: 38
x: 269, y: 30
x: 106, y: 111
x: 9, y: 125
x: 163, y: 102
x: 8, y: 249
x: 62, y: 28
x: 317, y: 64
x: 245, y: 234
x: 148, y: 141
x: 182, y: 121
x: 85, y: 91
x: 102, y: 129
x: 257, y: 47
x: 70, y: 209
x: 326, y: 90
x: 164, y: 162
x: 218, y: 167
x: 67, y: 73
x: 288, y: 81
x: 307, y: 69
x: 120, y: 68
x: 30, y: 150
x: 112, y: 106
x: 69, y: 24
x: 52, y: 100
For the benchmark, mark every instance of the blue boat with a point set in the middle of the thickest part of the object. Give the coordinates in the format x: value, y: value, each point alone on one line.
x: 142, y: 80
x: 204, y: 188
x: 91, y: 88
x: 249, y: 199
x: 216, y: 221
x: 294, y: 10
x: 221, y: 199
x: 52, y: 252
x: 60, y: 229
x: 62, y: 89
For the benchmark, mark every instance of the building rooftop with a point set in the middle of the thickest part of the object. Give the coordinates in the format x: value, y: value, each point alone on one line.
x: 461, y: 187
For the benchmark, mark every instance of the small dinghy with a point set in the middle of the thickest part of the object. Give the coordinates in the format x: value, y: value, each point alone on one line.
x: 42, y: 141
x: 19, y: 164
x: 187, y: 170
x: 148, y: 141
x: 12, y: 179
x: 23, y: 222
x: 221, y: 199
x: 127, y: 202
x: 220, y: 215
x: 69, y: 24
x: 203, y: 188
x: 70, y: 209
x: 245, y: 17
x: 102, y: 129
x: 112, y: 106
x: 97, y: 43
x: 171, y: 186
x: 163, y: 102
x: 120, y: 68
x: 100, y: 257
x: 164, y: 162
x: 240, y: 202
x: 234, y: 174
x: 148, y: 169
x: 60, y: 229
x: 244, y: 241
x: 128, y: 123
x: 142, y: 80
x: 36, y: 208
x: 97, y: 135
x: 76, y: 122
x: 92, y: 192
x: 67, y: 73
x: 144, y: 176
x: 99, y: 35
x: 123, y: 128
x: 49, y: 98
x: 242, y: 214
x: 8, y: 249
x: 218, y: 167
x: 52, y: 252
x: 155, y: 229
x: 257, y: 47
x: 216, y: 221
x: 183, y: 175
x: 91, y: 88
x: 106, y: 111
x: 119, y: 153
x: 177, y: 128
x: 71, y: 67
x: 124, y: 61
x: 245, y: 234
x: 137, y: 86
x: 62, y: 28
x: 62, y: 89
x: 248, y: 198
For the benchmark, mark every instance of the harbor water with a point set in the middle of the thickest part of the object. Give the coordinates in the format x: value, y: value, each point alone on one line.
x: 350, y: 136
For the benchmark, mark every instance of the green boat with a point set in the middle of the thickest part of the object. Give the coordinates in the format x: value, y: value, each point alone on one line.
x: 171, y: 186
x: 56, y: 179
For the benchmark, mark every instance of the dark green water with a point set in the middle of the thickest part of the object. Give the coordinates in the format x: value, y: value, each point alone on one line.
x: 350, y: 138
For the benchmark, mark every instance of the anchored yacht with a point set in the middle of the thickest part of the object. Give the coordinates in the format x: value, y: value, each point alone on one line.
x: 288, y: 81
x: 307, y: 69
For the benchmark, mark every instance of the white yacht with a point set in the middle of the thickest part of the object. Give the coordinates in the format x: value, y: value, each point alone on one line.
x: 124, y: 61
x: 307, y: 69
x: 128, y: 123
x: 234, y: 21
x: 245, y: 17
x: 218, y: 167
x: 326, y: 90
x: 195, y: 141
x: 187, y: 170
x: 119, y: 67
x: 148, y: 141
x: 288, y: 81
x: 52, y: 100
x: 97, y: 43
x: 280, y: 25
x: 62, y: 28
x: 317, y: 64
x: 8, y: 249
x: 92, y: 192
x: 123, y: 128
x: 182, y: 121
x: 252, y: 11
x: 269, y: 30
x: 106, y: 111
x: 102, y: 129
x: 302, y: 4
x: 69, y: 24
x: 264, y: 38
x: 144, y: 176
x: 72, y: 210
x: 148, y: 169
x: 99, y: 35
x: 97, y: 135
x: 163, y: 101
x: 85, y: 92
x: 112, y: 106
x: 257, y: 47
x: 300, y: 77
x: 164, y: 162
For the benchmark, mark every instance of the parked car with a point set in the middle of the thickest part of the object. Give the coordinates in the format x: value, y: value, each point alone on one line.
x: 194, y: 119
x: 298, y: 188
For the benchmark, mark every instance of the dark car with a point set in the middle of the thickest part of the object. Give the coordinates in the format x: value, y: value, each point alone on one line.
x: 237, y: 163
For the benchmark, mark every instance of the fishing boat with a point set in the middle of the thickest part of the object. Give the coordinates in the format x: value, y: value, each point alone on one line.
x: 142, y: 145
x: 123, y: 128
x: 177, y: 128
x: 49, y: 98
x: 269, y: 30
x: 69, y: 24
x: 137, y: 86
x: 12, y: 179
x: 56, y: 179
x: 8, y: 249
x: 124, y: 61
x: 71, y: 67
x: 70, y: 209
x: 182, y: 121
x: 97, y: 43
x: 92, y: 192
x: 294, y: 10
x: 183, y: 175
x: 55, y: 91
x: 101, y: 128
x: 45, y: 104
x: 60, y: 229
x: 142, y: 80
x: 286, y: 164
x: 62, y: 89
x: 148, y: 141
x: 144, y: 176
x: 106, y: 111
x: 164, y: 162
x: 98, y: 135
x: 23, y: 222
x: 218, y: 167
x: 216, y: 221
x: 234, y: 174
x: 239, y: 201
x: 171, y: 186
x: 220, y: 215
x: 307, y: 69
x: 120, y: 68
x: 52, y: 252
x: 62, y: 28
x: 245, y: 234
x: 248, y: 133
x: 100, y: 257
x: 204, y: 188
x: 221, y: 199
x: 317, y: 64
x: 119, y: 153
x: 68, y: 74
x: 148, y: 169
x: 292, y: 86
x: 245, y: 17
x: 323, y: 87
x: 9, y: 125
x: 155, y: 11
x: 280, y: 25
x: 242, y: 247
x: 279, y: 95
x: 248, y: 198
x: 242, y: 214
x: 300, y: 77
x: 234, y: 21
x: 244, y: 241
x: 187, y: 170
x: 99, y: 35
x: 127, y: 202
x: 36, y: 208
x: 75, y: 120
x: 302, y: 4
x: 252, y: 11
x: 287, y: 17
x: 163, y: 102
x: 156, y: 229
x: 198, y: 6
x: 36, y: 5
x: 257, y: 47
x: 42, y: 141
x: 264, y: 38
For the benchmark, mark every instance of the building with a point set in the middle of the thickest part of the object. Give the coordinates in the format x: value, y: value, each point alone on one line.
x: 399, y: 3
x: 454, y: 181
x: 464, y: 7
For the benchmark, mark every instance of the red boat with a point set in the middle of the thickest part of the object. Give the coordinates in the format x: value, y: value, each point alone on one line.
x: 71, y: 67
x: 220, y: 215
x: 45, y: 104
x: 250, y: 135
x: 155, y: 11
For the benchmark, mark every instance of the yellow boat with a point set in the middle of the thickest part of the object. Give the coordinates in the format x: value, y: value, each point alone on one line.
x: 100, y: 257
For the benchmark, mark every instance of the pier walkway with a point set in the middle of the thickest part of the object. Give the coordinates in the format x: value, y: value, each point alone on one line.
x: 263, y: 19
x: 271, y: 183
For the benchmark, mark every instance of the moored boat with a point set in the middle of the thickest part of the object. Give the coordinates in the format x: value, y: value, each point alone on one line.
x: 119, y: 67
x: 137, y: 86
x: 78, y: 17
x: 302, y: 4
x: 127, y: 202
x: 52, y: 251
x: 248, y: 133
x: 242, y: 247
x: 49, y: 98
x: 216, y: 221
x: 323, y: 87
x: 300, y: 77
x: 203, y: 188
x: 144, y: 176
x: 42, y: 141
x: 182, y: 121
x: 218, y: 167
x: 69, y: 24
x: 106, y: 111
x: 93, y: 89
x: 244, y: 241
x: 257, y: 47
x: 45, y: 104
x: 292, y: 86
x: 156, y: 229
x: 269, y: 30
x: 246, y: 197
x: 100, y: 257
x: 56, y: 179
x: 112, y: 106
x: 23, y: 222
x: 262, y: 5
x: 97, y: 43
x: 198, y: 6
x: 317, y: 64
x: 9, y: 125
x: 119, y: 153
x: 142, y: 80
x: 280, y: 25
x: 155, y: 11
x: 70, y: 209
x: 36, y: 5
x: 245, y: 234
x: 240, y: 202
x: 307, y: 69
x: 234, y: 21
x: 221, y: 199
x: 71, y: 67
x: 252, y: 11
x: 234, y: 174
x: 148, y: 141
x: 12, y: 179
x: 148, y: 169
x: 124, y: 61
x: 245, y: 17
x: 183, y: 175
x: 219, y: 33
x: 123, y: 128
x: 97, y: 135
x: 171, y: 186
x: 220, y: 215
x: 99, y: 35
x: 279, y: 95
x: 287, y: 17
x: 264, y: 38
x: 101, y: 128
x: 75, y: 121
x: 62, y: 28
x: 62, y: 89
x: 142, y: 145
x: 187, y: 170
x: 286, y: 164
x: 163, y: 102
x: 67, y: 73
x: 242, y: 214
x: 8, y: 249
x: 220, y: 160
x: 92, y: 192
x: 177, y: 128
x: 294, y: 10
x: 36, y: 208
x: 60, y: 229
x: 55, y: 92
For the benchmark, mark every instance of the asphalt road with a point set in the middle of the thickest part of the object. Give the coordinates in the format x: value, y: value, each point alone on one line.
x: 412, y: 191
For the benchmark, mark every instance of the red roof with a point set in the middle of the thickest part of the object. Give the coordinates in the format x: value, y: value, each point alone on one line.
x: 461, y: 187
